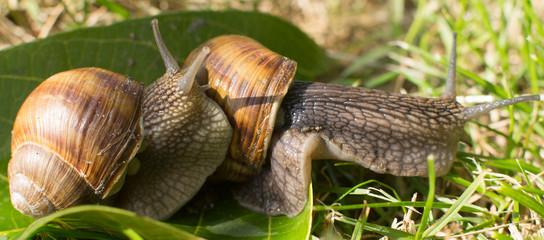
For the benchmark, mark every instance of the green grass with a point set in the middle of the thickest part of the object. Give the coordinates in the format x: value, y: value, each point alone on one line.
x: 495, y: 189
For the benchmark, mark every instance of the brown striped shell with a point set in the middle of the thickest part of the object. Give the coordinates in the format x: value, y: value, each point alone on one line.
x: 248, y: 81
x: 72, y: 140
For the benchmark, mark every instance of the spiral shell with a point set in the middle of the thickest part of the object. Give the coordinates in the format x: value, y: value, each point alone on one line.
x: 248, y: 81
x: 72, y: 140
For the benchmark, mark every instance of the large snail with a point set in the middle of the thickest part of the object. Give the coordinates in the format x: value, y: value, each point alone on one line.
x: 188, y: 136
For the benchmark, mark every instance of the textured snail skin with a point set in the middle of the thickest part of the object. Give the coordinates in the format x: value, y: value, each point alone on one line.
x: 187, y: 136
x: 183, y: 148
x: 271, y: 161
x: 72, y: 140
x: 385, y: 132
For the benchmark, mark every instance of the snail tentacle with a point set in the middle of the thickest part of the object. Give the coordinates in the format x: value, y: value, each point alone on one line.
x: 478, y: 110
x: 169, y: 60
x: 450, y: 80
x: 186, y: 82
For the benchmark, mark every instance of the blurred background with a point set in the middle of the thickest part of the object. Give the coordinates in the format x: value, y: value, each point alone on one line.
x: 345, y: 28
x: 337, y: 25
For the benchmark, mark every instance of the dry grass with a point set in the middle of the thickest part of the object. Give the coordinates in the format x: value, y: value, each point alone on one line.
x: 334, y: 24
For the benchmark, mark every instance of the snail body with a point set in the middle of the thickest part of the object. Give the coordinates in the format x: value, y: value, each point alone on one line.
x: 280, y: 125
x: 385, y: 132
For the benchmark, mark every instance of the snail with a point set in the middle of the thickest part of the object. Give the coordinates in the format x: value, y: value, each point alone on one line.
x: 209, y: 120
x: 280, y: 125
x: 72, y: 140
x: 76, y: 134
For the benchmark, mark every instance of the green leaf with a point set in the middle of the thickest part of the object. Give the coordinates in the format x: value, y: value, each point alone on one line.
x: 228, y: 220
x: 11, y: 221
x: 128, y: 48
x: 88, y: 220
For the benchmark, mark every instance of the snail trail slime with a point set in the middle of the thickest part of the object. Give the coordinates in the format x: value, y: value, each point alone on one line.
x: 194, y: 122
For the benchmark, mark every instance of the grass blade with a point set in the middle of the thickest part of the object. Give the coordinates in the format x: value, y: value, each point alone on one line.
x: 456, y: 206
x: 430, y: 198
x: 359, y: 226
x: 523, y: 198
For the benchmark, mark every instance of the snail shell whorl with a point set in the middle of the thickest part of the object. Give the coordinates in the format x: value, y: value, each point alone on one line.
x: 72, y: 141
x: 249, y: 82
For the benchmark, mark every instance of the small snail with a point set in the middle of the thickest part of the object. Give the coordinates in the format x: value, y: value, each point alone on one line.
x: 72, y: 140
x: 75, y: 135
x: 246, y: 134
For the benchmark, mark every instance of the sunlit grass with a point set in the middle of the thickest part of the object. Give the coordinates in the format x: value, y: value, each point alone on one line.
x: 496, y: 186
